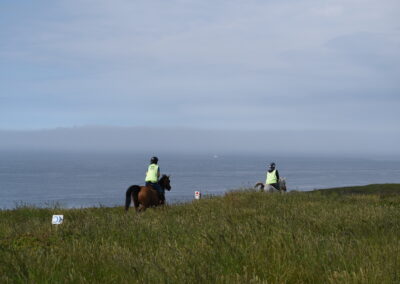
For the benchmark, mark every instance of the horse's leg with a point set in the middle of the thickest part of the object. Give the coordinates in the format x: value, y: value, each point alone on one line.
x: 284, y: 186
x: 151, y: 197
x: 158, y: 200
x: 144, y: 196
x: 143, y: 205
x: 155, y: 198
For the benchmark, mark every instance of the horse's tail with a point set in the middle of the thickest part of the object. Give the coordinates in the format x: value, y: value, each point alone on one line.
x: 259, y: 185
x: 132, y: 192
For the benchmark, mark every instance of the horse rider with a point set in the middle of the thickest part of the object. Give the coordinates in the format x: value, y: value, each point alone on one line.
x: 272, y: 177
x: 152, y: 176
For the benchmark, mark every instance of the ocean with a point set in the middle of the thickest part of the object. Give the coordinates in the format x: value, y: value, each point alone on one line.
x: 75, y: 180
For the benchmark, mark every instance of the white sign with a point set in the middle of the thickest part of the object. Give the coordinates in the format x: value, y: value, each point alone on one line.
x: 197, y: 194
x: 57, y: 219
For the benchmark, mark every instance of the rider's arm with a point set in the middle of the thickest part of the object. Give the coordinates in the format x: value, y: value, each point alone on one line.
x: 277, y: 175
x: 158, y: 173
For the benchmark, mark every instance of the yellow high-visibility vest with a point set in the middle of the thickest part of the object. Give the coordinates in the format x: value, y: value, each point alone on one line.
x: 271, y: 177
x: 152, y: 174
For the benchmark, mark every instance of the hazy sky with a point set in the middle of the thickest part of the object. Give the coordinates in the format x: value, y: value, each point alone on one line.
x: 238, y: 65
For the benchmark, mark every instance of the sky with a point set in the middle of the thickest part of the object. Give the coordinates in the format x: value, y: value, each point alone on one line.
x: 277, y: 65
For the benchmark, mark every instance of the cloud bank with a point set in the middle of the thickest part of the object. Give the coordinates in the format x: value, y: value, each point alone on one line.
x: 237, y: 65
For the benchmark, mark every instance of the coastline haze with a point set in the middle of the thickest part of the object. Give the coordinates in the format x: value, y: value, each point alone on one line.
x: 200, y: 141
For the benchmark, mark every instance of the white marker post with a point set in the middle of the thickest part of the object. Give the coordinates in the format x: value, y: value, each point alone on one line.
x: 197, y: 195
x: 57, y: 219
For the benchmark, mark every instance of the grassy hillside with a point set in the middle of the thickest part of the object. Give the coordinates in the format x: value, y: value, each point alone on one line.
x: 346, y: 235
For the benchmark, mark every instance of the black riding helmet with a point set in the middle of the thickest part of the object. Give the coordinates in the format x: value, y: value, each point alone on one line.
x: 272, y: 166
x: 154, y: 160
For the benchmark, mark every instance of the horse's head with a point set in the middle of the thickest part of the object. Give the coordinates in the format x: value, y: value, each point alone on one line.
x: 165, y: 182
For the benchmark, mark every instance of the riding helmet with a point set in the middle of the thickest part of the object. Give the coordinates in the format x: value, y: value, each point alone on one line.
x: 272, y: 165
x: 154, y: 160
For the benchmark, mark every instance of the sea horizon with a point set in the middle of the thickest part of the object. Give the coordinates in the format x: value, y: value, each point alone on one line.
x: 88, y: 179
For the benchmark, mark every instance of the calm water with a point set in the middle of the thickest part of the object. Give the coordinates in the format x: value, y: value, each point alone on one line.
x: 81, y: 180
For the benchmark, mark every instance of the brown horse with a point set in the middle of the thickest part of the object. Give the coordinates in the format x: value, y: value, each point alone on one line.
x: 146, y: 196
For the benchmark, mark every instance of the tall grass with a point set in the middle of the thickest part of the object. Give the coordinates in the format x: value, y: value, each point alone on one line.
x: 335, y: 236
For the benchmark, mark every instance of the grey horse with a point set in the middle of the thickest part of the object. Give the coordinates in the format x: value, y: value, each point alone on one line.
x: 270, y: 188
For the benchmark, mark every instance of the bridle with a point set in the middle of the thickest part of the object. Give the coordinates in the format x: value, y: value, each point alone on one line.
x: 163, y: 182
